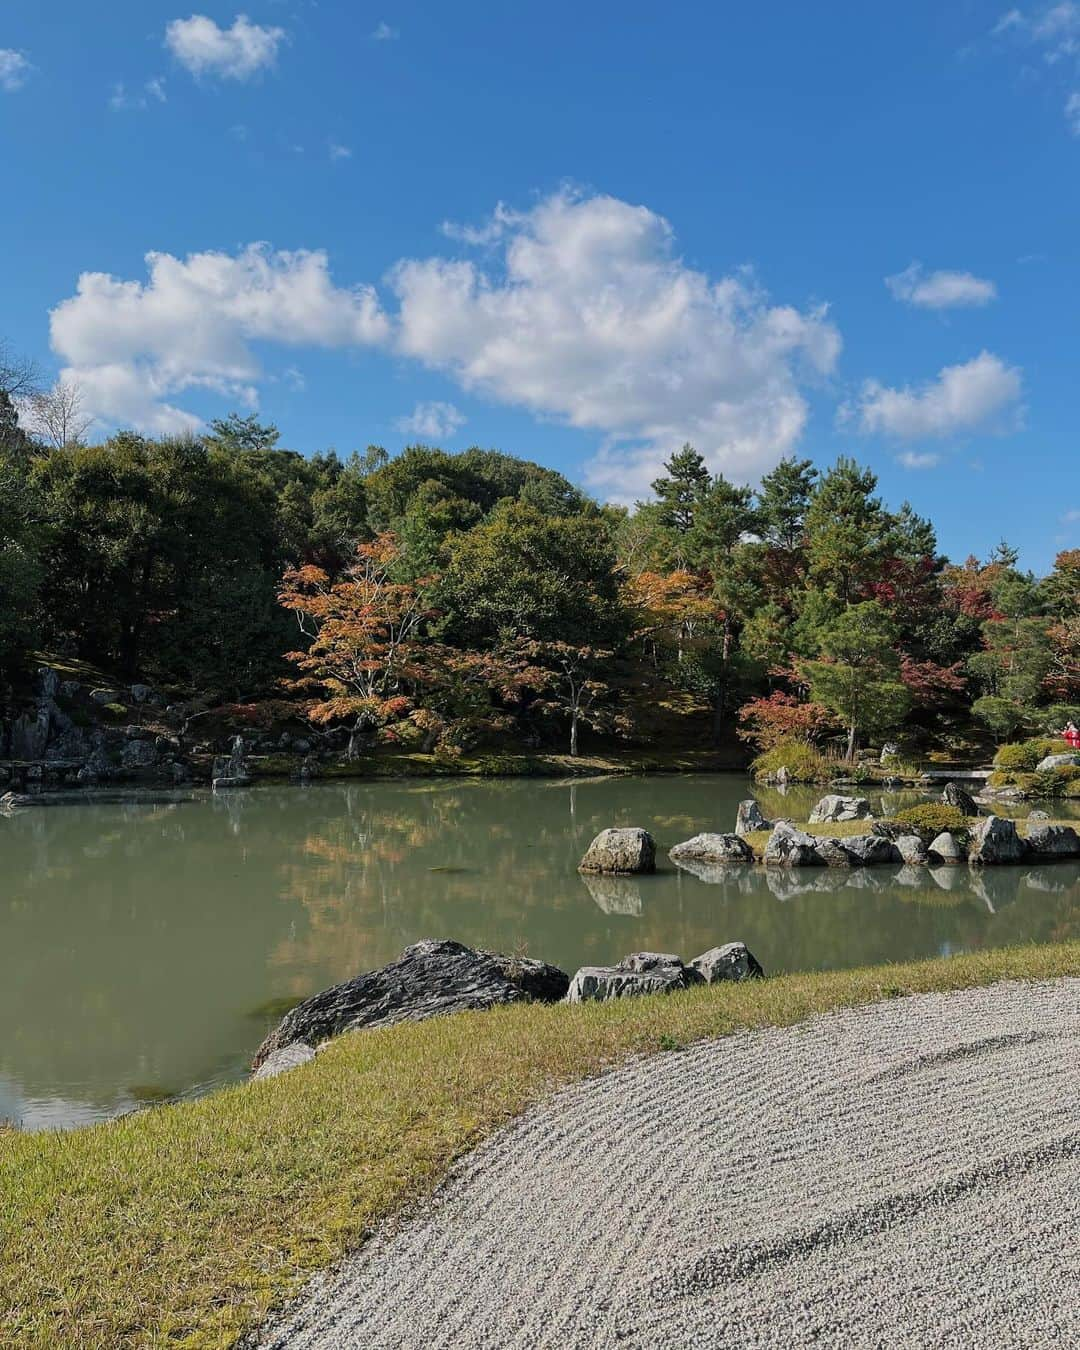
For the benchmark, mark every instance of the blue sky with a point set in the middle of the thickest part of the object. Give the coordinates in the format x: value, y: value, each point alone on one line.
x: 580, y: 233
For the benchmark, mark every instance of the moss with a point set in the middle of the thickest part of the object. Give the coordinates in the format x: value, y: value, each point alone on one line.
x: 934, y: 818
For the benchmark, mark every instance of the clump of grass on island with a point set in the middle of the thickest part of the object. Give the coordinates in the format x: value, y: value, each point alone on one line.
x: 184, y: 1224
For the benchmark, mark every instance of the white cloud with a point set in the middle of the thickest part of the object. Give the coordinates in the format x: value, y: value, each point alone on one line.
x: 15, y: 70
x: 339, y: 151
x: 1070, y: 517
x: 1072, y: 112
x: 132, y: 346
x: 384, y: 33
x: 235, y: 53
x: 981, y: 393
x: 122, y: 99
x: 593, y: 320
x: 915, y: 459
x: 1011, y: 19
x: 432, y: 421
x: 940, y: 290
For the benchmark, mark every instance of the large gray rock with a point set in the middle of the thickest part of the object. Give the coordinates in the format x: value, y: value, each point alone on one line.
x: 639, y: 973
x: 141, y: 693
x: 789, y: 847
x: 629, y: 851
x: 945, y: 848
x: 748, y: 818
x: 1062, y: 761
x: 994, y: 840
x: 870, y: 850
x: 912, y: 850
x: 713, y: 848
x: 141, y: 754
x: 288, y: 1057
x: 1053, y: 841
x: 103, y: 696
x: 955, y: 795
x: 834, y: 807
x: 430, y: 979
x: 732, y: 961
x: 30, y: 732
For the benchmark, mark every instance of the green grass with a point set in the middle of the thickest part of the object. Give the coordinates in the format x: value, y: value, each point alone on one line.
x: 182, y: 1225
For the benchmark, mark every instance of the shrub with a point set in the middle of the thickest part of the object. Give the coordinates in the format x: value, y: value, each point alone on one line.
x: 933, y: 818
x: 804, y: 764
x: 1017, y: 757
x: 1001, y: 779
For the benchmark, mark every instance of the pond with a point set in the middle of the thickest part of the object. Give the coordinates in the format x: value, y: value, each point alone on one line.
x: 146, y: 946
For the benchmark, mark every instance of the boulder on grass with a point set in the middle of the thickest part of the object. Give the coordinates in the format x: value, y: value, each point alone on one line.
x: 1062, y: 761
x: 749, y: 819
x: 1053, y: 841
x: 713, y: 848
x: 638, y: 973
x: 430, y: 979
x: 945, y: 849
x: 834, y: 807
x: 789, y: 847
x: 994, y: 840
x: 732, y: 961
x: 628, y: 851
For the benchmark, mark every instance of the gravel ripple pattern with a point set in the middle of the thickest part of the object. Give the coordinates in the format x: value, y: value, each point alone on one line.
x: 902, y: 1174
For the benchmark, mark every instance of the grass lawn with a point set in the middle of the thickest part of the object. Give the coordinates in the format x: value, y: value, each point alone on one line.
x: 180, y: 1226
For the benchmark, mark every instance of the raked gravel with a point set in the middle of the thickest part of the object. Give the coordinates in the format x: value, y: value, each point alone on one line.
x: 902, y: 1174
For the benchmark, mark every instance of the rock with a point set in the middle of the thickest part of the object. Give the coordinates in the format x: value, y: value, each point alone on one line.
x: 989, y: 795
x: 890, y: 829
x: 1038, y: 815
x: 945, y: 849
x: 301, y: 746
x: 12, y: 801
x: 713, y: 848
x: 834, y: 807
x: 69, y: 689
x: 639, y: 973
x: 889, y: 750
x: 178, y: 772
x: 748, y: 818
x: 48, y: 682
x: 288, y: 1057
x: 733, y: 961
x: 994, y: 840
x: 955, y: 795
x: 103, y: 696
x: 141, y: 693
x: 30, y: 733
x: 870, y: 850
x: 139, y: 755
x: 629, y: 851
x: 831, y: 852
x: 781, y: 776
x: 913, y: 852
x: 223, y: 784
x: 1053, y: 841
x: 430, y: 979
x: 789, y: 847
x: 1057, y: 762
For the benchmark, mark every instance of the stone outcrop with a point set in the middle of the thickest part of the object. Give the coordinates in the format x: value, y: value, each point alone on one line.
x: 789, y: 847
x: 732, y: 961
x: 713, y: 848
x: 955, y: 795
x: 834, y: 807
x: 748, y: 818
x: 1053, y: 841
x: 945, y: 848
x: 629, y: 851
x: 869, y: 850
x: 994, y: 840
x: 1063, y: 761
x: 639, y: 973
x: 912, y: 850
x: 430, y: 979
x: 280, y: 1061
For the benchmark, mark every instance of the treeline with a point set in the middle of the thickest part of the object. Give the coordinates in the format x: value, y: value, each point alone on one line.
x: 438, y: 599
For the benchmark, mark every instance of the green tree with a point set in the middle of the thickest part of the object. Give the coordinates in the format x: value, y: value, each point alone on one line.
x: 848, y: 531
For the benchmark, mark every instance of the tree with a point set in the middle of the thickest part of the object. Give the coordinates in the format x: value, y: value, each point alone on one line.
x: 20, y: 565
x: 848, y: 531
x: 857, y: 675
x: 58, y: 414
x: 782, y: 717
x: 569, y: 681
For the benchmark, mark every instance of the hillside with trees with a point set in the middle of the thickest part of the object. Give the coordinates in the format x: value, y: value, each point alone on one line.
x: 446, y: 602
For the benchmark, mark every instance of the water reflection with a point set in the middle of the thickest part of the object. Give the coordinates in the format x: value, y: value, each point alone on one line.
x: 139, y: 940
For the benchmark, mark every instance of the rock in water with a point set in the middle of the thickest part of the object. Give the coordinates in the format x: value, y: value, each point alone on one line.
x: 994, y: 840
x: 713, y: 848
x: 945, y: 849
x: 955, y: 795
x: 748, y: 818
x: 638, y: 973
x: 628, y: 851
x: 1053, y: 841
x: 789, y: 847
x: 869, y: 850
x: 1057, y: 762
x: 912, y: 850
x: 834, y: 807
x: 430, y: 979
x: 732, y: 961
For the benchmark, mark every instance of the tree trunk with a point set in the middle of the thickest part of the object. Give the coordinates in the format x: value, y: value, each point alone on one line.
x: 573, y: 731
x: 851, y: 743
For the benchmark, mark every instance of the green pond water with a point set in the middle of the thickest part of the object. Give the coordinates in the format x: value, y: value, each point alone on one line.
x: 146, y: 946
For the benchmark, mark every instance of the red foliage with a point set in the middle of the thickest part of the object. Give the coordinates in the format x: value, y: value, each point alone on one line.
x: 932, y: 685
x: 781, y: 717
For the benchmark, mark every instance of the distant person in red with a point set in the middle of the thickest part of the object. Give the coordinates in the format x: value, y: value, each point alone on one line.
x: 1071, y: 736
